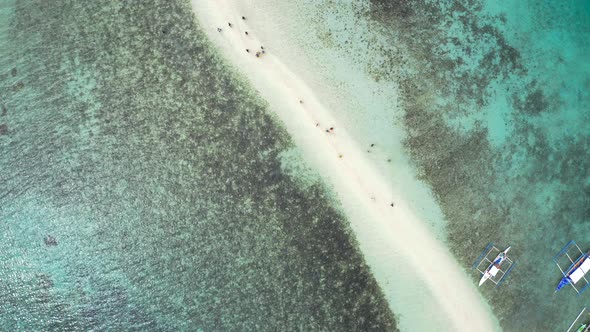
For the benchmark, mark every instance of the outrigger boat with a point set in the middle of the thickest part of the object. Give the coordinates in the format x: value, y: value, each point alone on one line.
x: 577, y: 269
x: 576, y: 272
x: 495, y: 270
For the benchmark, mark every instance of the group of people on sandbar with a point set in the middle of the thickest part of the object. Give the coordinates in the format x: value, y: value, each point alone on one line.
x: 340, y: 155
x: 258, y: 53
x: 329, y: 130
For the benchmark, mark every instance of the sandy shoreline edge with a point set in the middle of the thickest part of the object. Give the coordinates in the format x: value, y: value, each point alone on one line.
x: 397, y: 246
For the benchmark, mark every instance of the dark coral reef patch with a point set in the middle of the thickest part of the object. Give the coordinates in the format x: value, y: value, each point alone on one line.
x: 165, y: 166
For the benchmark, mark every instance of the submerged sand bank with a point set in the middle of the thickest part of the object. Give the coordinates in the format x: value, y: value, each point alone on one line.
x: 421, y: 281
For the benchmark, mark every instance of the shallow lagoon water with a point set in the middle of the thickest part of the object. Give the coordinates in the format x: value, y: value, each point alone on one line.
x: 493, y: 101
x: 144, y: 186
x: 163, y: 178
x: 513, y: 168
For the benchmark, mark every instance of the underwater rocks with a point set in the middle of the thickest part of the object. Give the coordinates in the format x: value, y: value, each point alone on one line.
x: 18, y: 86
x: 50, y: 241
x: 44, y: 281
x: 534, y: 103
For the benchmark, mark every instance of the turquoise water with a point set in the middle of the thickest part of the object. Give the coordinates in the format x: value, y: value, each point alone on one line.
x: 144, y: 186
x: 498, y: 119
x: 162, y: 177
x: 494, y: 101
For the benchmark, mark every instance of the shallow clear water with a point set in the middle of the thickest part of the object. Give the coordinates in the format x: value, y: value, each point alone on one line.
x: 144, y: 186
x: 498, y: 123
x: 512, y: 107
x: 162, y: 178
x: 494, y: 103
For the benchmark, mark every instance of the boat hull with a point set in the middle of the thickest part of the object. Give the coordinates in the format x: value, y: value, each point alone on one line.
x: 494, y: 267
x: 483, y: 279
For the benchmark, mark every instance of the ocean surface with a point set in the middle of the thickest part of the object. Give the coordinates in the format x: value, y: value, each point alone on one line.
x: 144, y: 186
x: 492, y: 104
x: 498, y: 118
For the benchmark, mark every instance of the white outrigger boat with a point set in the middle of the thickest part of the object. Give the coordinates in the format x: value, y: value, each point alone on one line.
x: 576, y: 270
x: 495, y: 270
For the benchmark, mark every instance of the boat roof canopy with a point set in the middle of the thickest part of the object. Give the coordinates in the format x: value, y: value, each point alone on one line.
x: 579, y: 273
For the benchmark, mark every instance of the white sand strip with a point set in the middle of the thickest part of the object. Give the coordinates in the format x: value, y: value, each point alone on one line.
x: 422, y: 282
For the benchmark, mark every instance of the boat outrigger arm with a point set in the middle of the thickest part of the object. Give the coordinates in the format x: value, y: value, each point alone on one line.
x: 583, y: 328
x: 495, y: 270
x: 576, y: 270
x: 581, y: 322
